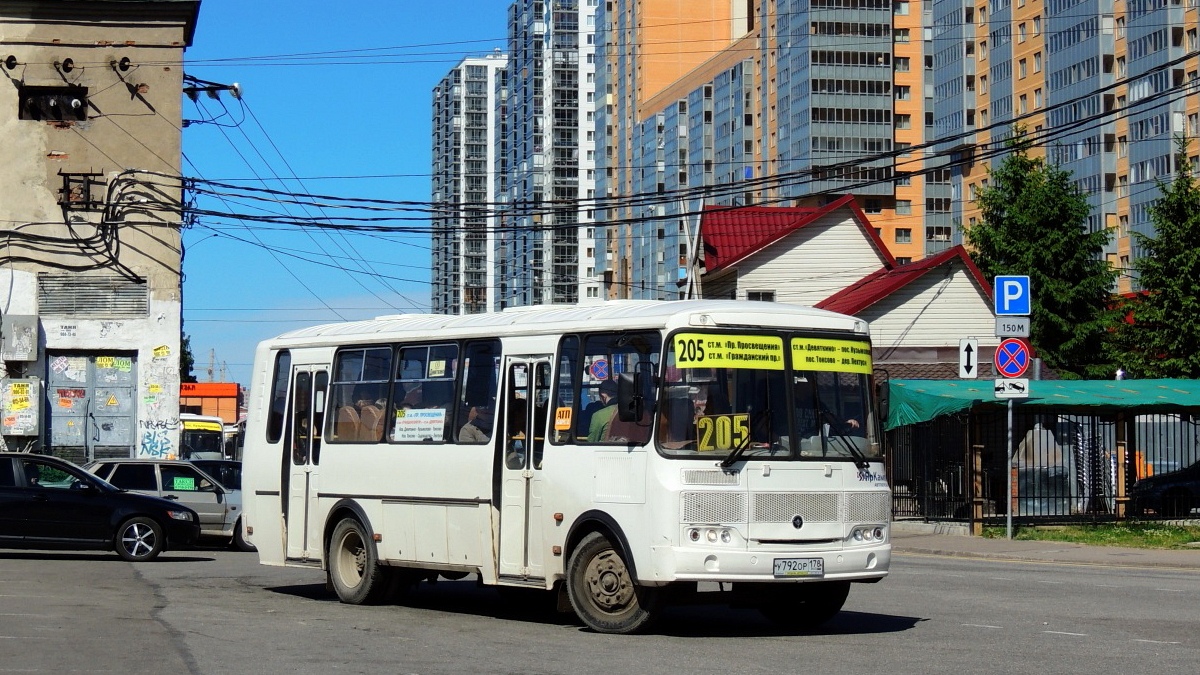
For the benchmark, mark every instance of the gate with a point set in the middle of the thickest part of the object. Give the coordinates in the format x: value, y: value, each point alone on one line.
x: 90, y: 404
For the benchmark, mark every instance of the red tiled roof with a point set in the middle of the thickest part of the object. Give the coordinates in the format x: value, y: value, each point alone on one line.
x: 882, y: 283
x: 732, y: 234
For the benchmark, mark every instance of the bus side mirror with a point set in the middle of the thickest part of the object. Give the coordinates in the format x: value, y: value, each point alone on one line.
x: 630, y: 403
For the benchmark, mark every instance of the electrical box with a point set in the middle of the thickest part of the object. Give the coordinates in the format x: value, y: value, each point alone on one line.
x: 18, y: 337
x: 20, y: 406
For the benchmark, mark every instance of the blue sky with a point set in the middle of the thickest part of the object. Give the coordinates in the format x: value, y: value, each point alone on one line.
x: 329, y: 119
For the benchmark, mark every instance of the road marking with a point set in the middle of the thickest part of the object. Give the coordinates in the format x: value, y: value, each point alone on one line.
x: 1159, y: 642
x: 1049, y: 582
x: 1107, y: 586
x: 1059, y: 632
x: 1169, y: 590
x: 980, y: 625
x: 999, y: 578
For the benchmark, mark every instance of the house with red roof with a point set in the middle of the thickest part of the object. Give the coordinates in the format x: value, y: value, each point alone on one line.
x: 830, y: 257
x: 788, y: 254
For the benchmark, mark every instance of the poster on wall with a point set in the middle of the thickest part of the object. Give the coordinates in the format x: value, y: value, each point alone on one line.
x: 20, y: 406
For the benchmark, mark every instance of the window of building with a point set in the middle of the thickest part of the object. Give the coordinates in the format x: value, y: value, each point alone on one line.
x: 1037, y: 99
x: 903, y: 93
x: 760, y: 296
x: 873, y: 206
x: 982, y: 50
x: 1037, y: 62
x: 903, y: 207
x: 903, y: 260
x: 900, y: 35
x: 1037, y: 25
x: 1021, y: 69
x: 902, y: 63
x: 903, y: 235
x: 1022, y: 105
x: 1020, y: 33
x: 903, y: 121
x: 900, y: 7
x: 1120, y: 27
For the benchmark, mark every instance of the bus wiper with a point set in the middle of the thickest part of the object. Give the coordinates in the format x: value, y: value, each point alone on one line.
x: 860, y: 460
x: 755, y: 417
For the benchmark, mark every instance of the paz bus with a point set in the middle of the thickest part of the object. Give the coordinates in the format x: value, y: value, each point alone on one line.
x: 619, y: 454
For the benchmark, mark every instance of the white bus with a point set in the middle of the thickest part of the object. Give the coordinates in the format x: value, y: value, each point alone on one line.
x: 619, y: 453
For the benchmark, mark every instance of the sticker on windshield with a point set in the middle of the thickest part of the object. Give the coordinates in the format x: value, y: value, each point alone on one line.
x: 722, y: 433
x: 839, y: 356
x: 183, y: 483
x: 705, y: 350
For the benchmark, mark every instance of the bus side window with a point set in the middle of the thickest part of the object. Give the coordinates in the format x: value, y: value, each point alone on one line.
x: 567, y: 392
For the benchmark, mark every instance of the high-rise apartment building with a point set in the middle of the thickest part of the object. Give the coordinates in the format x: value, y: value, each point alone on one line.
x: 467, y: 157
x: 765, y: 102
x: 1102, y: 87
x: 903, y: 104
x: 546, y: 239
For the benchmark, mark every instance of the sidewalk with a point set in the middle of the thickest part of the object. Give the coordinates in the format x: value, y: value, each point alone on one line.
x: 950, y: 539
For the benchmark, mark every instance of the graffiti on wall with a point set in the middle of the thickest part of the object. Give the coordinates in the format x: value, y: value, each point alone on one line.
x: 159, y: 419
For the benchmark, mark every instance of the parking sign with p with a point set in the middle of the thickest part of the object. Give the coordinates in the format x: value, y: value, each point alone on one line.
x: 1012, y: 295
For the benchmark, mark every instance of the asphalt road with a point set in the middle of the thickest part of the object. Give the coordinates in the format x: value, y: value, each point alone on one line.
x: 217, y: 611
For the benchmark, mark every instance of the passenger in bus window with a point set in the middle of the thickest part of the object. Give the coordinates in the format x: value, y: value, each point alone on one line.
x: 602, y: 418
x: 478, y: 427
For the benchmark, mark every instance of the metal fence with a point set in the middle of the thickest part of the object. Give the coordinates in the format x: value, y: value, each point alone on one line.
x: 1066, y: 467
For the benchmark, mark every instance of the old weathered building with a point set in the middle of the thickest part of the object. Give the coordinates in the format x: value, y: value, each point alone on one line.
x: 90, y: 213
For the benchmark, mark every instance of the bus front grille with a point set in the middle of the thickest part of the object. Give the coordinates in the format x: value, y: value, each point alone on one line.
x: 781, y: 507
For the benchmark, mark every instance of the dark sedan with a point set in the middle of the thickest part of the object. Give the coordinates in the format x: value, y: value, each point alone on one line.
x: 49, y: 503
x: 1170, y: 495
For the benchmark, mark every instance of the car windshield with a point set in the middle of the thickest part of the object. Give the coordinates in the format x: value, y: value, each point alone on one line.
x: 777, y: 395
x: 227, y: 473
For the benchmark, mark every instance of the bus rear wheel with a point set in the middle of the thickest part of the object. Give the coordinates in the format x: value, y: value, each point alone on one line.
x: 804, y: 606
x: 354, y: 569
x: 602, y: 591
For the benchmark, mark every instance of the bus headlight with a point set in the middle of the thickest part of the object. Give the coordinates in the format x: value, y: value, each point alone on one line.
x: 726, y: 537
x: 694, y: 534
x: 711, y: 536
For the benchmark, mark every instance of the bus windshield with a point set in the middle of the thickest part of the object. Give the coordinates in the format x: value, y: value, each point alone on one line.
x: 784, y: 396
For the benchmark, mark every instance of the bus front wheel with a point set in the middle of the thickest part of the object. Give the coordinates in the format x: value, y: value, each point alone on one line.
x: 602, y: 591
x: 804, y: 606
x: 357, y: 576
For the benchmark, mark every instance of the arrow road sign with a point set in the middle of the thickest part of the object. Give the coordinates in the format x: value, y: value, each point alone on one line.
x: 1012, y: 357
x: 968, y: 358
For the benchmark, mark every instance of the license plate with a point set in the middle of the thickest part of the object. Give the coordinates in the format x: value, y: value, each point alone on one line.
x: 799, y: 567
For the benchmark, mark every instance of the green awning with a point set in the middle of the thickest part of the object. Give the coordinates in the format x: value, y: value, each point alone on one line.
x: 916, y: 401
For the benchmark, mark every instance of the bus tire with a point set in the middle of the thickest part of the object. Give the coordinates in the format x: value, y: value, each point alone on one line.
x: 602, y: 591
x: 354, y: 569
x: 805, y: 606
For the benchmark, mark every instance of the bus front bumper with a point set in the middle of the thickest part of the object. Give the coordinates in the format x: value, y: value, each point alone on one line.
x: 675, y: 563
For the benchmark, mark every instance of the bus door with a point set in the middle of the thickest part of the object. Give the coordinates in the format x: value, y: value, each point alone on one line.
x: 526, y: 406
x: 309, y: 384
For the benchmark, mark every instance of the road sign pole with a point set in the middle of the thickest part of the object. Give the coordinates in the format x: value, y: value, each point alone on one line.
x: 1008, y: 478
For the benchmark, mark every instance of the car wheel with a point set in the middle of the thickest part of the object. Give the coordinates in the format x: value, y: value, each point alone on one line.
x: 139, y: 539
x: 354, y: 569
x: 602, y: 590
x: 239, y: 538
x: 805, y: 606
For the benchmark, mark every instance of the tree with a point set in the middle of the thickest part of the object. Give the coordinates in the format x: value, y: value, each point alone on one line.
x: 186, y: 360
x: 1035, y: 223
x: 1162, y: 336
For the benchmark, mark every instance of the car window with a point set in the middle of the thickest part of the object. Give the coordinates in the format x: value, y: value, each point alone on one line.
x: 227, y: 474
x: 134, y: 477
x: 7, y: 477
x: 44, y: 475
x: 185, y: 479
x: 101, y: 470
